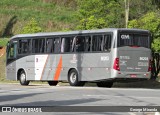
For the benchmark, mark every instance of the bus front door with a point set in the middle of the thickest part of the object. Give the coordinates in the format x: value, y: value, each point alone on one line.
x: 11, y: 61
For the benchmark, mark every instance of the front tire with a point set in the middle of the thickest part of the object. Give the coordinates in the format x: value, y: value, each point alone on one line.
x: 52, y: 83
x: 73, y: 79
x: 105, y: 84
x: 22, y: 78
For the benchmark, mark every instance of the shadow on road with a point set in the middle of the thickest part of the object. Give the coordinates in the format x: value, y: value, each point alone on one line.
x: 150, y: 84
x: 56, y: 103
x: 6, y: 98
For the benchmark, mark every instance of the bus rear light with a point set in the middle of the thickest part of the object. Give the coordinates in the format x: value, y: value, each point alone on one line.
x: 150, y: 66
x: 116, y: 64
x: 134, y: 46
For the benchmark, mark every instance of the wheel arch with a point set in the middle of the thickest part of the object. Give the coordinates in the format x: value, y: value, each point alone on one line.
x: 18, y: 73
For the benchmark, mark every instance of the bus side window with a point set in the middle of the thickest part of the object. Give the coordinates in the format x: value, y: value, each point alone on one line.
x: 24, y: 46
x: 35, y: 46
x: 80, y: 40
x: 107, y: 42
x: 38, y: 45
x: 80, y: 44
x: 66, y: 44
x: 97, y: 42
x: 12, y: 51
x: 57, y: 45
x: 50, y: 45
x: 87, y: 44
x: 41, y: 45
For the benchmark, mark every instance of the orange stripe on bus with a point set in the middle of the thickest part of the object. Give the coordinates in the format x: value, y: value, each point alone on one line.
x: 44, y: 67
x: 58, y: 70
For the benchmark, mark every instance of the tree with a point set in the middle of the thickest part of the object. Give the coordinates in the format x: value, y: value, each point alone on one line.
x: 99, y: 14
x: 140, y: 7
x: 31, y: 27
x: 92, y: 23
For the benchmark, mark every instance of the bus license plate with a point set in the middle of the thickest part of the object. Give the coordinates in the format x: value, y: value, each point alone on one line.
x: 133, y: 76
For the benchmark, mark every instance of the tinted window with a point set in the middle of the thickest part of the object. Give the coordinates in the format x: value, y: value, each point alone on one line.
x: 57, y: 45
x: 24, y: 46
x: 107, y: 42
x: 87, y: 43
x: 97, y: 42
x: 101, y: 42
x: 50, y: 45
x: 11, y: 50
x: 66, y: 45
x: 133, y: 40
x: 81, y: 43
x: 38, y: 45
x: 141, y: 40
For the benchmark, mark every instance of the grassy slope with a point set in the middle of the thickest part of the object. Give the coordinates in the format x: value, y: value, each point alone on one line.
x: 50, y: 15
x: 3, y: 42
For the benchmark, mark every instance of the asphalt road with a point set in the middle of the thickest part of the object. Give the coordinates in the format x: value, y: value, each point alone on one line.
x: 44, y: 95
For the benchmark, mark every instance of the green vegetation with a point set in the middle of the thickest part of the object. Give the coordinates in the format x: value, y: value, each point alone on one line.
x: 3, y: 42
x: 63, y: 15
x: 31, y: 27
x: 99, y: 14
x: 52, y: 15
x: 156, y: 44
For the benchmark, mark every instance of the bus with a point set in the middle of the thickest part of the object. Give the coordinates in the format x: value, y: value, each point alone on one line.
x: 103, y: 56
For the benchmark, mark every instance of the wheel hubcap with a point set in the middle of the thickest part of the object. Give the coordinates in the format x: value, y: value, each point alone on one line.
x: 23, y: 77
x: 73, y: 77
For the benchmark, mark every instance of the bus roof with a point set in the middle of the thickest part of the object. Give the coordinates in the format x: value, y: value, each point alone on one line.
x: 75, y: 32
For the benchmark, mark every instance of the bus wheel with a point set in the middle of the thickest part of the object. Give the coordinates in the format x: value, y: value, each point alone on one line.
x: 73, y: 79
x: 105, y: 84
x: 52, y: 83
x: 22, y: 78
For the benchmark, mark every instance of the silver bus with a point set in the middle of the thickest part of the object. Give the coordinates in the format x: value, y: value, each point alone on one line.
x: 102, y: 56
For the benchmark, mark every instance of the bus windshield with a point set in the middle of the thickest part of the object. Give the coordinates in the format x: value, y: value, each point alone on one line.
x: 135, y: 40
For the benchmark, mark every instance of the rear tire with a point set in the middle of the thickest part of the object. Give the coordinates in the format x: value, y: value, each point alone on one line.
x: 22, y: 78
x: 52, y: 83
x: 105, y: 84
x: 73, y: 79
